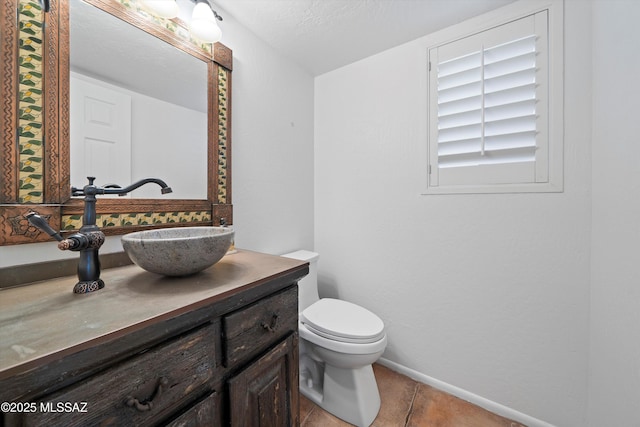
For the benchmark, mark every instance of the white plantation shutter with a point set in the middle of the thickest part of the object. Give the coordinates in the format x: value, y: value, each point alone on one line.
x: 488, y: 106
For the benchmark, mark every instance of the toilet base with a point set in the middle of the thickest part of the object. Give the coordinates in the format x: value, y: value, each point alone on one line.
x: 349, y: 394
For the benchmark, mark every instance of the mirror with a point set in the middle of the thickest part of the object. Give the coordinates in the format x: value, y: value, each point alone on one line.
x: 138, y: 107
x: 35, y: 138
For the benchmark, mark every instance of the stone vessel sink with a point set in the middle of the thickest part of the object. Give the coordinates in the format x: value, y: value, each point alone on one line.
x: 178, y: 251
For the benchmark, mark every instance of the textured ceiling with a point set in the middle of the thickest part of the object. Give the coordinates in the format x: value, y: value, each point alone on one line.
x: 319, y: 35
x: 322, y: 35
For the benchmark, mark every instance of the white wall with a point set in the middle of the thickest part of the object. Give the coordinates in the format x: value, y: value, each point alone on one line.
x: 489, y: 293
x: 272, y: 154
x: 272, y: 150
x: 614, y: 380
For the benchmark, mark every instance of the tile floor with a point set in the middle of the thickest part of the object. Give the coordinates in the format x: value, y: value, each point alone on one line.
x: 407, y: 403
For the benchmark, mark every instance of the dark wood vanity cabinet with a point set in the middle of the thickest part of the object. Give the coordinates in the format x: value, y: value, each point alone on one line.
x: 230, y: 357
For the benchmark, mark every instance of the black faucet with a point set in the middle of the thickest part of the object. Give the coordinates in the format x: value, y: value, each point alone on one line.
x: 89, y: 238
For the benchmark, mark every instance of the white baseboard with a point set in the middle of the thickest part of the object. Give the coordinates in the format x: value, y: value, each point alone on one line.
x: 480, y: 401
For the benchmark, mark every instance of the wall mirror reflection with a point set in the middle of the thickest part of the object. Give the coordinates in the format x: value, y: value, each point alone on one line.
x: 138, y: 107
x: 183, y: 86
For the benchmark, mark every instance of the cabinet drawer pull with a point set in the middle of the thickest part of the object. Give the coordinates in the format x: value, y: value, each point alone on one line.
x: 272, y: 326
x: 147, y: 404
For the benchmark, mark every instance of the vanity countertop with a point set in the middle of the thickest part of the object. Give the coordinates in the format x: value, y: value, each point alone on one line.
x: 46, y: 320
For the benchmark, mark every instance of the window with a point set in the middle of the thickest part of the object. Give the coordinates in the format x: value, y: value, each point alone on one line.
x: 489, y: 111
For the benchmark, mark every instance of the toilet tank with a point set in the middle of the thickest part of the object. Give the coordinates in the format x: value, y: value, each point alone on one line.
x: 308, y: 285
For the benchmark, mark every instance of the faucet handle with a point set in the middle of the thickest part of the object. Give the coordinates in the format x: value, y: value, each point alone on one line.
x: 39, y: 222
x: 69, y: 244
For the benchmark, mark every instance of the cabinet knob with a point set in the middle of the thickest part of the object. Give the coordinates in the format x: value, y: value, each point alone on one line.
x: 271, y: 327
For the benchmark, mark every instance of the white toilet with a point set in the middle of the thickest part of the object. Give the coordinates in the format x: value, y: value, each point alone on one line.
x: 338, y: 343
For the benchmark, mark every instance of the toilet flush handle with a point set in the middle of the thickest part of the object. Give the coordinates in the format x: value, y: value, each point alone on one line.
x: 271, y: 327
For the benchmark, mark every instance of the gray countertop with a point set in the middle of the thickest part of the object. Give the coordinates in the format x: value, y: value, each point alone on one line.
x: 46, y: 318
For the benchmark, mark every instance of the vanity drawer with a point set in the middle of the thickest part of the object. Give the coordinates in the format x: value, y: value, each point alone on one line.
x: 139, y: 391
x: 205, y: 413
x: 252, y: 329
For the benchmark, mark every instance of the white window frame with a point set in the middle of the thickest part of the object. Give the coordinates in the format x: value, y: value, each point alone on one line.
x: 553, y: 131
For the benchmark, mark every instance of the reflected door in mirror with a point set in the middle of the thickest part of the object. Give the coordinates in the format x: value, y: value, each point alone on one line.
x: 100, y: 132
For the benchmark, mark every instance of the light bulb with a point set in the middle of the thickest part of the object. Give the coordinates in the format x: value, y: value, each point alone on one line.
x: 162, y: 8
x: 203, y: 24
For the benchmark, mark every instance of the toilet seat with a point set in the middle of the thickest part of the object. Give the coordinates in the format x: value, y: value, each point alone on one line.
x: 342, y: 321
x: 338, y: 346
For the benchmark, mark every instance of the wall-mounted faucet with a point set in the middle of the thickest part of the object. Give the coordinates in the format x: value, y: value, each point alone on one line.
x: 89, y: 238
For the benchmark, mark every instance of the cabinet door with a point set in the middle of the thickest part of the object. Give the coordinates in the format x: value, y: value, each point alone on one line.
x: 265, y: 394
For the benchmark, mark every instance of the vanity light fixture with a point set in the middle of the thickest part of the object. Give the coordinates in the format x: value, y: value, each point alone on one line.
x: 203, y: 24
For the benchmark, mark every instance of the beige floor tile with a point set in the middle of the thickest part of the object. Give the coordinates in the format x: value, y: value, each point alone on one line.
x: 306, y: 407
x: 319, y: 418
x: 434, y: 408
x: 396, y: 395
x: 407, y: 403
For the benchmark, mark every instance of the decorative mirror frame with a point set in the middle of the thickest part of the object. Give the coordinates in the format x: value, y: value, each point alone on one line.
x: 34, y: 125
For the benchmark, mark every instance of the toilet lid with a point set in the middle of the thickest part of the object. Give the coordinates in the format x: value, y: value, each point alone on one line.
x: 342, y: 321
